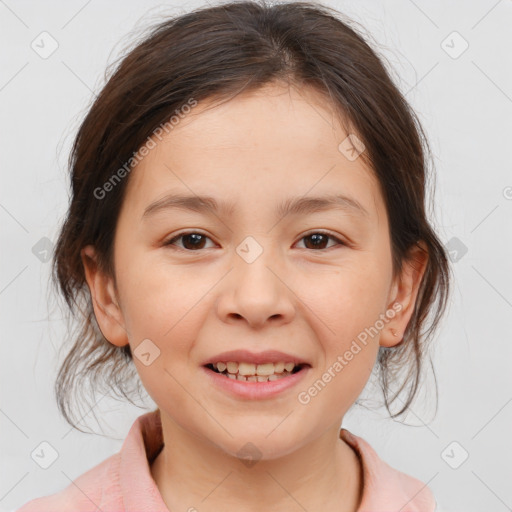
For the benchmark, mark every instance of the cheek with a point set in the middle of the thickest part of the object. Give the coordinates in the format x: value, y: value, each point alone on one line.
x: 350, y: 302
x: 151, y: 296
x: 352, y: 297
x: 350, y: 309
x: 164, y: 303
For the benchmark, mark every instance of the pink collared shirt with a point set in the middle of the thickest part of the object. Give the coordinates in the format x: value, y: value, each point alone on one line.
x: 123, y: 482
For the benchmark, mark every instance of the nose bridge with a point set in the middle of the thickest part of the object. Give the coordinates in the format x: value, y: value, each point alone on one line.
x: 254, y: 255
x: 254, y: 248
x: 255, y: 292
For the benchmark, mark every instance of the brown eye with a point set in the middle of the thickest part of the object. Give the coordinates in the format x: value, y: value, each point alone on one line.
x: 194, y: 241
x: 190, y: 241
x: 318, y: 240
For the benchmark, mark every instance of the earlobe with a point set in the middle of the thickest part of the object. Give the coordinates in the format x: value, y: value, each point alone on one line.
x: 104, y: 300
x: 404, y: 293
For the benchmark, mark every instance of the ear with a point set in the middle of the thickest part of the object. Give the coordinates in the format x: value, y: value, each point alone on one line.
x: 104, y: 299
x: 403, y: 294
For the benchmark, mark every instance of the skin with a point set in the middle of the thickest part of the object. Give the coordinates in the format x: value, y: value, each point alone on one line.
x: 256, y: 150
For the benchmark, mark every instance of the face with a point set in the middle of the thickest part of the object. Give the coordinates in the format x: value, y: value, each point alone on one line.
x: 192, y: 283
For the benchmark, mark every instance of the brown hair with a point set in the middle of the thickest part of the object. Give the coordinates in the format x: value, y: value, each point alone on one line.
x: 218, y: 52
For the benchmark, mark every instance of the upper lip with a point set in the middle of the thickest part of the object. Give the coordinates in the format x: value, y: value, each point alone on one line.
x: 245, y: 356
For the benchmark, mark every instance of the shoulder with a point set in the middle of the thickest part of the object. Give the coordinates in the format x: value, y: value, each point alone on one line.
x: 96, y: 489
x: 384, y: 487
x: 121, y: 482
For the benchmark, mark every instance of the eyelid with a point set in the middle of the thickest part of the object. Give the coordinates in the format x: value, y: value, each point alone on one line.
x: 335, y: 237
x: 322, y: 232
x: 170, y: 241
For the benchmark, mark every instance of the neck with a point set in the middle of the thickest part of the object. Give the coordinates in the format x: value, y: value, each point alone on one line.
x: 191, y: 473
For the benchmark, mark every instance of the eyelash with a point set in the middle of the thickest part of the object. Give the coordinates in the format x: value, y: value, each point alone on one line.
x: 171, y: 241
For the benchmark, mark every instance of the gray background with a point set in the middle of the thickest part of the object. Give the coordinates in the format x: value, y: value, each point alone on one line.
x: 465, y: 103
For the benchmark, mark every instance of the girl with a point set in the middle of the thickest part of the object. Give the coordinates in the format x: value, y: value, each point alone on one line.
x: 247, y: 230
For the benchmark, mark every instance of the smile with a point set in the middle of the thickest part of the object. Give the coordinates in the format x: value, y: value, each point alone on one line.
x: 253, y: 386
x: 250, y: 372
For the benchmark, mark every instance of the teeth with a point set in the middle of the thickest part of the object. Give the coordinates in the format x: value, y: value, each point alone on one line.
x: 251, y: 372
x: 249, y: 369
x: 232, y: 367
x: 258, y: 378
x: 246, y: 369
x: 279, y: 367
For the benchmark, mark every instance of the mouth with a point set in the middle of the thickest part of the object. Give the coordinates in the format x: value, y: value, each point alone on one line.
x: 250, y: 372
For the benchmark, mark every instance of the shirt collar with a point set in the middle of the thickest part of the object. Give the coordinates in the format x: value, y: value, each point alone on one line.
x: 383, y: 486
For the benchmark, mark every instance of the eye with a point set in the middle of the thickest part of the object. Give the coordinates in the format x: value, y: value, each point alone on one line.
x: 192, y: 240
x: 318, y: 239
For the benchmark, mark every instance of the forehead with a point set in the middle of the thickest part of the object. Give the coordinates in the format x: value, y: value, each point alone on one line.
x: 270, y: 144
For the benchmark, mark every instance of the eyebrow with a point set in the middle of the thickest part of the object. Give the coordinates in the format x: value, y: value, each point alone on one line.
x: 293, y: 206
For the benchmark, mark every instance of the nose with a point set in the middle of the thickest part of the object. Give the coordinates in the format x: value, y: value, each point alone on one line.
x: 255, y: 293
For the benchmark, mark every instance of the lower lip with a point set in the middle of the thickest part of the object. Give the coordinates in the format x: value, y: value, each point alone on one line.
x: 255, y: 390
